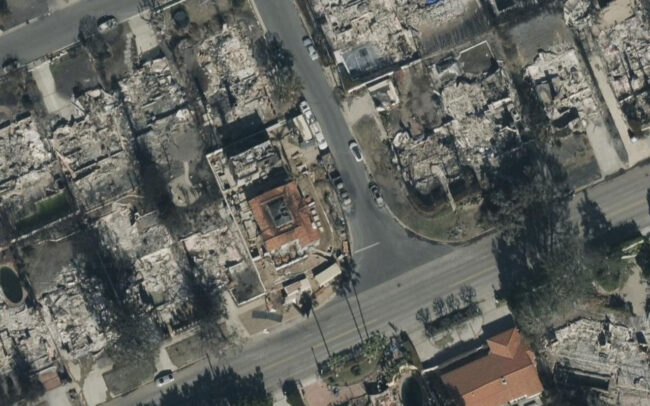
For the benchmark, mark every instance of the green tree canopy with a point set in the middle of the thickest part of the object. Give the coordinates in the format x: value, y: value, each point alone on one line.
x: 537, y: 249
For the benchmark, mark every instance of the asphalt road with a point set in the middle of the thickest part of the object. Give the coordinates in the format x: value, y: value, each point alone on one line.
x: 286, y: 352
x: 382, y: 249
x: 59, y: 29
x: 399, y: 274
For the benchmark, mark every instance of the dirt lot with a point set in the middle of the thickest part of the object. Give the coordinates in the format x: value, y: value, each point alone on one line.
x: 521, y: 43
x: 448, y: 34
x: 73, y: 69
x: 476, y: 59
x: 122, y: 379
x: 190, y: 349
x: 576, y: 155
x: 43, y: 262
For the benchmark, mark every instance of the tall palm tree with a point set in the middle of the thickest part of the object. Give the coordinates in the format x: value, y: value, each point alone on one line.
x: 306, y: 307
x: 353, y: 279
x: 342, y: 288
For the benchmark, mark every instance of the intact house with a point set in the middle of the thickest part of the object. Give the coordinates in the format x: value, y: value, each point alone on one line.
x: 504, y: 374
x: 284, y: 221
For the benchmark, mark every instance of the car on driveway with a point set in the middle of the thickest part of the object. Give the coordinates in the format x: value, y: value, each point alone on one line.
x: 309, y: 44
x: 356, y: 151
x: 164, y: 378
x: 376, y: 194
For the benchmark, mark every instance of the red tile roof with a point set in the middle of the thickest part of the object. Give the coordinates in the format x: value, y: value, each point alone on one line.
x: 507, y: 372
x: 299, y: 229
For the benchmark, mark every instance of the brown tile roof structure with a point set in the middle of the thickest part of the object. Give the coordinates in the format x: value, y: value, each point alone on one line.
x: 49, y: 378
x: 506, y: 373
x: 298, y: 227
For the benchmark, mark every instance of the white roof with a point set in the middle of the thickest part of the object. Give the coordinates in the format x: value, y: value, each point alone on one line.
x: 328, y: 274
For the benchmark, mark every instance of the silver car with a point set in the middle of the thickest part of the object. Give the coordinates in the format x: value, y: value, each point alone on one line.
x: 307, y: 42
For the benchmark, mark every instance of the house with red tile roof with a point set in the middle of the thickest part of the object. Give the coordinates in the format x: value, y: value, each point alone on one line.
x: 506, y: 373
x: 283, y: 218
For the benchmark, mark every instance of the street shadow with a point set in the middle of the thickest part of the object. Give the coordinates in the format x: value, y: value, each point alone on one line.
x: 242, y: 134
x: 599, y: 233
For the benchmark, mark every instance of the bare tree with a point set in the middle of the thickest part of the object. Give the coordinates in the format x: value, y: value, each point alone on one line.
x: 423, y: 315
x: 439, y: 307
x: 452, y: 302
x: 467, y: 294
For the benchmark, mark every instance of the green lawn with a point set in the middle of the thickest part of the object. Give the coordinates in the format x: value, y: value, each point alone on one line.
x: 47, y: 210
x: 353, y: 372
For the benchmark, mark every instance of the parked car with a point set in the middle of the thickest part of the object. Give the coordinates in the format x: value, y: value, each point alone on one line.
x: 345, y: 198
x: 106, y: 23
x: 304, y: 107
x: 376, y: 194
x: 310, y: 48
x: 164, y: 378
x: 356, y: 151
x: 318, y: 134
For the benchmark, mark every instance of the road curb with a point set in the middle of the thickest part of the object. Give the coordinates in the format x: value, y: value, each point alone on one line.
x: 258, y: 16
x: 21, y: 25
x: 435, y: 240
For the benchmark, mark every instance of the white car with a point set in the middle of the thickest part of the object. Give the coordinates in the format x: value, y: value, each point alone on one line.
x: 356, y: 151
x: 164, y: 378
x: 318, y: 134
x: 307, y: 42
x: 106, y: 23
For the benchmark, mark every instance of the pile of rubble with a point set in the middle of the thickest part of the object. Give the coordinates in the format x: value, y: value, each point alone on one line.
x: 22, y: 329
x: 366, y: 34
x: 219, y: 253
x: 93, y: 151
x: 605, y: 356
x: 66, y: 310
x: 235, y: 88
x: 152, y: 92
x: 577, y: 13
x: 480, y: 108
x: 626, y: 50
x: 175, y: 145
x: 247, y: 166
x: 420, y: 14
x: 158, y: 260
x: 564, y: 89
x: 27, y: 167
x: 161, y: 275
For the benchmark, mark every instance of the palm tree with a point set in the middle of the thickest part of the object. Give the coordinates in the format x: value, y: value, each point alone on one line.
x: 306, y: 307
x: 342, y: 288
x: 353, y: 277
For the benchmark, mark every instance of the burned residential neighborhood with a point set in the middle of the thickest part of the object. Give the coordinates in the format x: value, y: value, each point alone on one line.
x: 318, y: 202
